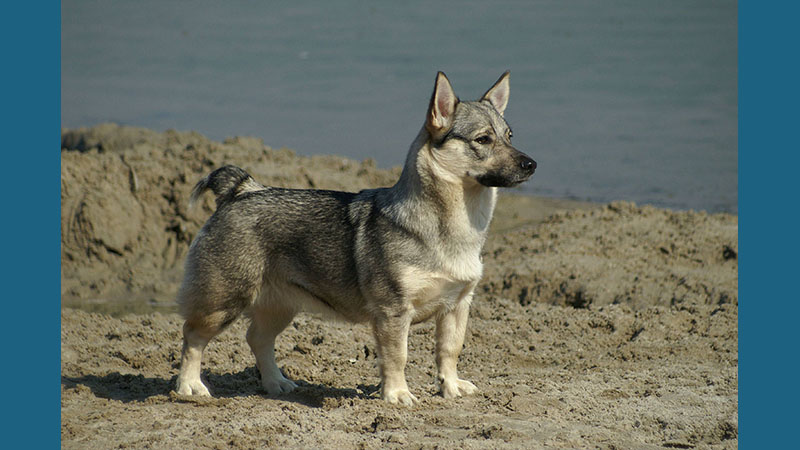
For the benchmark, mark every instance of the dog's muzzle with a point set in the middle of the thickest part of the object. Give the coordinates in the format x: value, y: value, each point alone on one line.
x: 527, y: 167
x: 511, y: 175
x: 516, y: 171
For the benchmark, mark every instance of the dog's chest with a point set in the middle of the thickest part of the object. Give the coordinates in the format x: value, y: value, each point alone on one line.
x: 431, y: 291
x: 438, y: 294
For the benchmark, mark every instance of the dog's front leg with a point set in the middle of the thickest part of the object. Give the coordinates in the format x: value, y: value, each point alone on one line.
x: 391, y: 335
x: 450, y: 329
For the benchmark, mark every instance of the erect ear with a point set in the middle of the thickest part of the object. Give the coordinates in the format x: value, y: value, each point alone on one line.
x: 442, y: 107
x: 497, y: 95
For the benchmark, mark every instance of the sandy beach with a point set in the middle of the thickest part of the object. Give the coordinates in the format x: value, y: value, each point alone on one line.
x: 611, y: 326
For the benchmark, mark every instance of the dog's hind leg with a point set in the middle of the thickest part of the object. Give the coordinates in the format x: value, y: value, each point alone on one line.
x: 267, y: 323
x: 450, y: 329
x: 197, y: 332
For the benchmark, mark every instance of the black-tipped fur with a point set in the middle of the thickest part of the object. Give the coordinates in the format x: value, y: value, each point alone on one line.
x: 225, y: 182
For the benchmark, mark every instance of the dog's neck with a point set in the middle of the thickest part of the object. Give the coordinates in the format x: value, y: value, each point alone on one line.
x: 463, y: 208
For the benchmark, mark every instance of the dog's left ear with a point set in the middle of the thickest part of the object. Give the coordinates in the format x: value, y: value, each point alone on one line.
x: 497, y: 95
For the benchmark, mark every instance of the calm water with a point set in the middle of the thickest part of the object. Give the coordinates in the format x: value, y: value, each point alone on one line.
x: 633, y: 100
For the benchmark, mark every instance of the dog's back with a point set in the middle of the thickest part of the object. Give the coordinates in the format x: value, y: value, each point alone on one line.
x: 273, y: 238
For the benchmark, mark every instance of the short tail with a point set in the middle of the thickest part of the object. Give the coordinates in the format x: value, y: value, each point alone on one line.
x: 226, y: 183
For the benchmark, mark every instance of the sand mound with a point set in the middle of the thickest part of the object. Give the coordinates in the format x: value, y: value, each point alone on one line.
x: 618, y: 254
x: 124, y: 201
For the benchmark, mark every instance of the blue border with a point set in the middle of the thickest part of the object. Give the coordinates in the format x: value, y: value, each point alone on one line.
x: 768, y: 154
x: 769, y: 118
x: 30, y: 36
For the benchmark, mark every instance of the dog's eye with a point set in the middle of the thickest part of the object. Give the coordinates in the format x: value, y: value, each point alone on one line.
x: 483, y: 140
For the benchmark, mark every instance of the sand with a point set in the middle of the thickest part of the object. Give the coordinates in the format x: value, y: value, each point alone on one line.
x: 595, y: 326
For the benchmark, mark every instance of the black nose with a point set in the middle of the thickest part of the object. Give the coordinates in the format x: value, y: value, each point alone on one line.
x: 528, y: 165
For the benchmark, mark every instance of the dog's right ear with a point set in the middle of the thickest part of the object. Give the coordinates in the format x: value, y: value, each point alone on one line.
x: 442, y: 108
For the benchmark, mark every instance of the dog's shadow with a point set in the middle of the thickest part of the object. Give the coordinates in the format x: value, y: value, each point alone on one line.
x: 138, y: 388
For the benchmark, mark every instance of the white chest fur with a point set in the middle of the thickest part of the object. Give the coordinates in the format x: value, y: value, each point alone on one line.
x: 432, y: 292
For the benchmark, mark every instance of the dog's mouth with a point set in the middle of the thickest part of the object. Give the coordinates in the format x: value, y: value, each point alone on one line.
x: 521, y: 179
x: 499, y: 180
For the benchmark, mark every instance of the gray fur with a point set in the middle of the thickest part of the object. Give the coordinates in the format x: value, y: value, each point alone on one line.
x: 389, y: 256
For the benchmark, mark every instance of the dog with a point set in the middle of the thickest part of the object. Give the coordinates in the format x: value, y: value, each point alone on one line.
x: 390, y: 257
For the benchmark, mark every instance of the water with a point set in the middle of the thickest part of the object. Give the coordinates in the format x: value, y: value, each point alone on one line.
x: 633, y: 100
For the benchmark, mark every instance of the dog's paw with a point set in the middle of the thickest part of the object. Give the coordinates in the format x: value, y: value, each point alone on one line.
x: 457, y: 388
x: 400, y: 396
x: 278, y: 385
x: 193, y: 387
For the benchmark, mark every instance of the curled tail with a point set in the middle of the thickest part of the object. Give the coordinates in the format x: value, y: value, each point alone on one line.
x: 226, y: 182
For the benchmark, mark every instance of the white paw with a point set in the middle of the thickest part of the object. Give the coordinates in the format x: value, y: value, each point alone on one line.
x: 457, y: 388
x: 278, y: 385
x: 402, y: 396
x: 193, y: 387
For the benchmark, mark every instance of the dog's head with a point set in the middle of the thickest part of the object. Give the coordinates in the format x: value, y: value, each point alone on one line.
x: 472, y: 140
